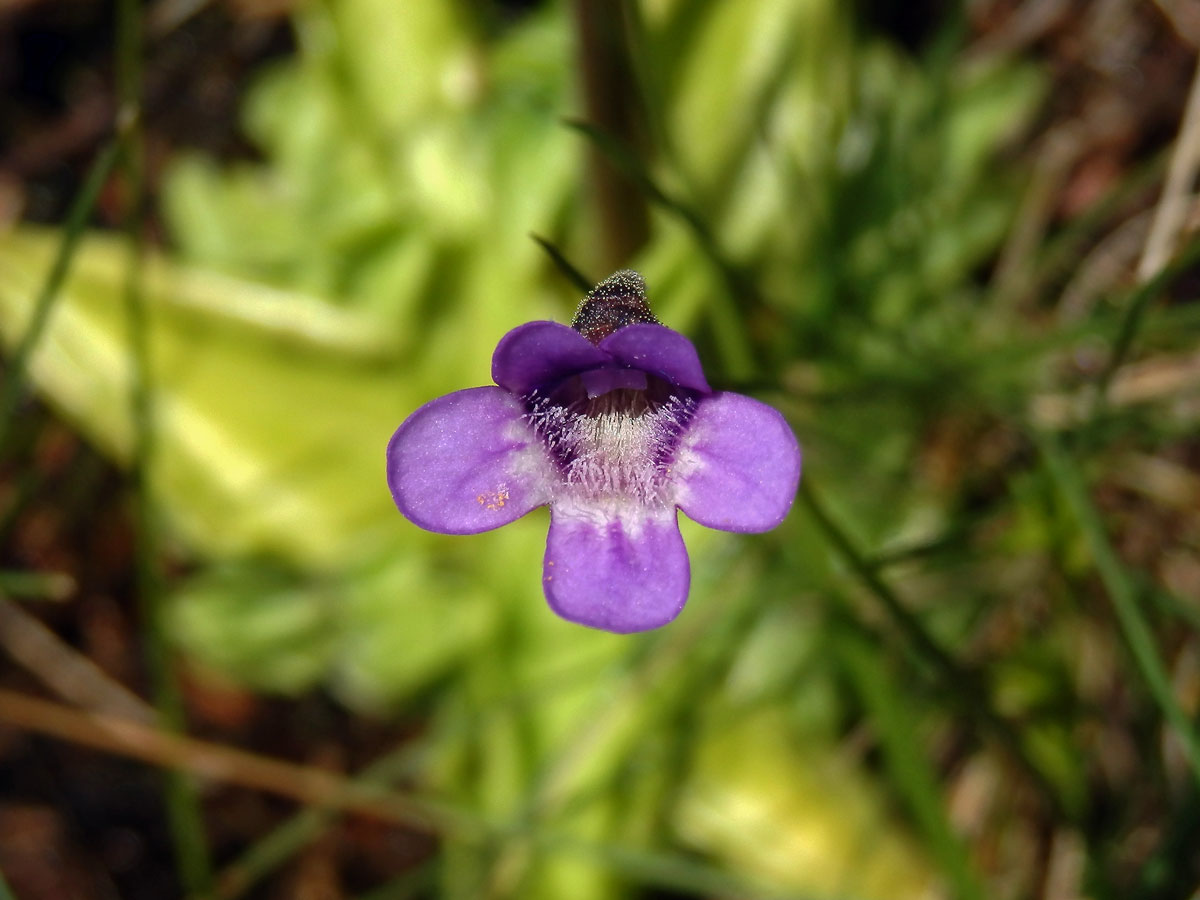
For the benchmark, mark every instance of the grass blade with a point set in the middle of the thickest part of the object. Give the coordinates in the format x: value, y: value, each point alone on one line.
x: 965, y: 688
x: 1121, y: 590
x: 1135, y: 311
x: 911, y: 772
x: 77, y: 219
x: 184, y: 814
x: 564, y: 266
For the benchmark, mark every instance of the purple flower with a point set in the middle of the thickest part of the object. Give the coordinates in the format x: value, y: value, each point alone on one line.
x: 612, y: 424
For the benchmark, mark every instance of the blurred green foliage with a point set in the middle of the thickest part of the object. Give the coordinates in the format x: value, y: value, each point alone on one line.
x: 370, y: 260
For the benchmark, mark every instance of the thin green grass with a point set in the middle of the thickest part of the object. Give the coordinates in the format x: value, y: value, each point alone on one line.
x: 1136, y: 630
x: 35, y: 585
x: 905, y: 757
x: 1135, y: 308
x: 671, y: 871
x: 966, y: 689
x: 73, y: 230
x: 565, y: 268
x: 274, y: 849
x: 123, y: 152
x: 419, y: 881
x: 183, y: 809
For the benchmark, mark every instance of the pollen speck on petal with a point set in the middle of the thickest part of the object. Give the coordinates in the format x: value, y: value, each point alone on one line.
x: 468, y: 462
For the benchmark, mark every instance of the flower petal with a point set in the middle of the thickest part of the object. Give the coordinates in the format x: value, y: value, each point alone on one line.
x: 738, y: 466
x: 618, y: 572
x: 660, y: 351
x: 467, y: 462
x: 538, y: 353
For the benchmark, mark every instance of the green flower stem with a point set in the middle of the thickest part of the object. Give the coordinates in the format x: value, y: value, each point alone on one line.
x: 966, y: 688
x: 614, y: 105
x: 1134, y: 627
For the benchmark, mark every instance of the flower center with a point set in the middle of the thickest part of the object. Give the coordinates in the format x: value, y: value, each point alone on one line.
x: 614, y: 447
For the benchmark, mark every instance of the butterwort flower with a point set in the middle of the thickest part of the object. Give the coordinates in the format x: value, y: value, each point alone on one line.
x: 611, y: 424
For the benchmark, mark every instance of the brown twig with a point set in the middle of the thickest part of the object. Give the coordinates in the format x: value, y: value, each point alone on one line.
x: 1171, y: 212
x: 1152, y: 380
x: 308, y: 785
x: 63, y: 669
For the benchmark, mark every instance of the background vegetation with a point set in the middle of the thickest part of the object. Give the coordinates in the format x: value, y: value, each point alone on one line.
x: 951, y: 242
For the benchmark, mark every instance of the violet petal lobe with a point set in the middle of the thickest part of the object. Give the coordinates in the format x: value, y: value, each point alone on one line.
x: 537, y: 353
x: 660, y: 351
x: 468, y: 462
x: 620, y: 572
x: 738, y: 465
